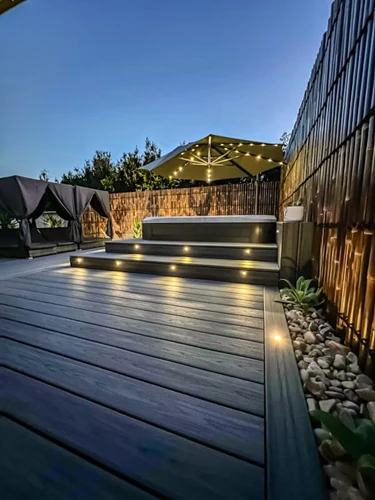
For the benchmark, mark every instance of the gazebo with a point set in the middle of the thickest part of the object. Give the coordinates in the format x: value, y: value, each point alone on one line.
x: 26, y: 199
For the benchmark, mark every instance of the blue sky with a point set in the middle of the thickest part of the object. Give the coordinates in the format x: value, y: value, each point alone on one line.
x: 81, y: 75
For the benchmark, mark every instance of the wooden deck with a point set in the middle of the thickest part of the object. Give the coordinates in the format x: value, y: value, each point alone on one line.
x: 130, y: 386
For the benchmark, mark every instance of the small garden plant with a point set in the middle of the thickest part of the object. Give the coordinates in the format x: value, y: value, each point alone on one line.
x: 137, y: 228
x: 7, y: 221
x: 303, y: 294
x: 52, y: 220
x: 358, y: 443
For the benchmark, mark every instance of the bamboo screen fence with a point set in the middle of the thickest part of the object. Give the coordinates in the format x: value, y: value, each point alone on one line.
x: 331, y: 165
x: 230, y: 199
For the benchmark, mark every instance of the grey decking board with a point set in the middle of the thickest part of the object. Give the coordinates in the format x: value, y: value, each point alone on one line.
x: 184, y: 415
x: 168, y: 282
x: 140, y: 298
x: 254, y: 330
x: 110, y: 297
x: 163, y: 462
x: 232, y: 392
x: 194, y: 243
x: 34, y: 468
x: 293, y: 467
x: 207, y: 359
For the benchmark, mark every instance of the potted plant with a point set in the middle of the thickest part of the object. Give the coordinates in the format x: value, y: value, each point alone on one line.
x: 294, y: 212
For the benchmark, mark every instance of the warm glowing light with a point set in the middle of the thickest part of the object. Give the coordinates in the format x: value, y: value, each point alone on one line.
x: 79, y: 260
x: 247, y: 250
x: 226, y: 149
x: 118, y: 263
x: 191, y: 157
x: 240, y: 144
x: 170, y: 177
x: 173, y: 268
x: 197, y: 145
x: 247, y: 154
x: 231, y: 144
x: 221, y: 144
x: 263, y: 145
x: 281, y: 163
x: 251, y: 144
x: 259, y: 157
x: 275, y: 145
x: 198, y: 153
x: 180, y: 169
x: 186, y: 249
x: 193, y: 149
x: 137, y: 247
x: 244, y: 273
x: 175, y: 172
x: 269, y: 159
x: 278, y: 338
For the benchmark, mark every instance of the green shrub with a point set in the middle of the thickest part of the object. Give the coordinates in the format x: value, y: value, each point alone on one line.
x: 7, y: 221
x: 359, y: 444
x: 302, y: 294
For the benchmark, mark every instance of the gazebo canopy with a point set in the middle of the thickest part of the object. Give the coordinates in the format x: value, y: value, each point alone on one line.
x: 216, y: 157
x: 26, y: 199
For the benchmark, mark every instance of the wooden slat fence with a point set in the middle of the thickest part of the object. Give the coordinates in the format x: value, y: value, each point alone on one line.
x: 230, y: 199
x: 331, y: 165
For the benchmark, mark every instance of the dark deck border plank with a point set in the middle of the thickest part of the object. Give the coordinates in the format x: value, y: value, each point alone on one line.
x: 107, y: 288
x: 35, y: 468
x: 217, y: 388
x: 163, y: 462
x: 110, y: 297
x: 205, y: 359
x: 293, y: 467
x: 190, y: 417
x: 136, y: 317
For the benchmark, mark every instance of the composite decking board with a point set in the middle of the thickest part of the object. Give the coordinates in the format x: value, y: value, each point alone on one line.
x: 42, y: 327
x: 136, y: 317
x: 104, y: 288
x: 161, y: 461
x: 234, y: 432
x: 210, y: 341
x: 193, y: 261
x: 110, y: 297
x: 293, y: 466
x: 35, y: 468
x: 239, y: 394
x: 188, y: 284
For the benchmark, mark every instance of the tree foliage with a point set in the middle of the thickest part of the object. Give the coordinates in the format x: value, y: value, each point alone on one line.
x: 102, y: 172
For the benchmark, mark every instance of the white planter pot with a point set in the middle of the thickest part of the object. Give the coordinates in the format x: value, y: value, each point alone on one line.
x: 293, y: 214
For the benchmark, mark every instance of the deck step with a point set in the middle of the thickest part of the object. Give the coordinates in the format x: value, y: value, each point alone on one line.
x: 237, y: 271
x: 266, y: 252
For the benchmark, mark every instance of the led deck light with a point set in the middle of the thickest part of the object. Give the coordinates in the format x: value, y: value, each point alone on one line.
x: 186, y: 249
x: 136, y: 247
x: 244, y: 273
x: 173, y: 268
x: 79, y: 260
x: 118, y: 263
x: 247, y: 250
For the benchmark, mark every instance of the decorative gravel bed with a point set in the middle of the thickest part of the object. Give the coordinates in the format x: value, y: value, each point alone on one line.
x: 334, y: 383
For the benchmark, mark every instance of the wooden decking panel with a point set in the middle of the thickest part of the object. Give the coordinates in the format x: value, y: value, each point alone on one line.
x: 153, y: 395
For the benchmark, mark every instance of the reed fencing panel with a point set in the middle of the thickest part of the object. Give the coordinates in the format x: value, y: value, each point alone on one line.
x: 331, y: 165
x: 229, y: 199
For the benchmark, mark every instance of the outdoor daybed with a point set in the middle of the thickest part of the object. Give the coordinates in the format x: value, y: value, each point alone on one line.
x: 26, y: 199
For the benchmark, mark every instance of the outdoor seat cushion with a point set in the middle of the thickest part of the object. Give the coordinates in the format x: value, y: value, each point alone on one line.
x: 58, y: 235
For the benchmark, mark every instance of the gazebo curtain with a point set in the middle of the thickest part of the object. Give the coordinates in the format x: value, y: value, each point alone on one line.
x: 26, y: 199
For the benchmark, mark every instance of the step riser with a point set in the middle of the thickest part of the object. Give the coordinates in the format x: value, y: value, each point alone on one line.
x: 258, y: 254
x: 253, y: 276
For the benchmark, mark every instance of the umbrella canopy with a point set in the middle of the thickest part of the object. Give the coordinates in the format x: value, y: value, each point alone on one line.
x: 215, y: 157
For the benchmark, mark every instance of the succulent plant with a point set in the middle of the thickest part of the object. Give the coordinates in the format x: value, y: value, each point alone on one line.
x: 358, y: 443
x: 302, y: 294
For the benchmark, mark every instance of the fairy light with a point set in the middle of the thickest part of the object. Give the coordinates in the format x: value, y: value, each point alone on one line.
x: 259, y: 157
x: 269, y: 160
x: 170, y: 176
x: 180, y: 169
x: 263, y: 145
x: 251, y: 144
x: 175, y: 172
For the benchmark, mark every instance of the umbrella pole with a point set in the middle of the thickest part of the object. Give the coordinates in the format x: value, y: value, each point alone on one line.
x: 257, y: 194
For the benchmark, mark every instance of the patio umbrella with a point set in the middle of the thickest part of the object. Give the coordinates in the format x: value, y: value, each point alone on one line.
x: 215, y: 157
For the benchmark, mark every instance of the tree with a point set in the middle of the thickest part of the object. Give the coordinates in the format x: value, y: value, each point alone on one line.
x: 43, y: 176
x: 94, y: 171
x: 284, y: 139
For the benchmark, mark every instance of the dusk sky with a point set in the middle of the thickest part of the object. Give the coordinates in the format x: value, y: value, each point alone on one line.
x: 82, y: 75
